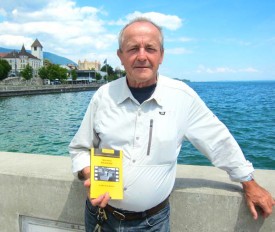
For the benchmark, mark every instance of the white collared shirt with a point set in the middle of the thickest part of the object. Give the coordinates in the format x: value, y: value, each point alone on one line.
x: 151, y: 135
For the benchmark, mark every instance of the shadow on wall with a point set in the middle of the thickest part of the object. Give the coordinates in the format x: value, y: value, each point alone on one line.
x: 73, y: 210
x: 243, y: 220
x: 193, y: 183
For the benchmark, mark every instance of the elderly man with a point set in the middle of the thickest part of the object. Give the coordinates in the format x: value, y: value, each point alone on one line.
x: 148, y: 116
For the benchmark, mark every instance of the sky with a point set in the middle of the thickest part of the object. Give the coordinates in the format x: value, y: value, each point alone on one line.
x: 204, y: 40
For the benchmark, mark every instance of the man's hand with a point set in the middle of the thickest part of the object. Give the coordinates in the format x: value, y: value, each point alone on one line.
x: 256, y: 196
x: 103, y: 199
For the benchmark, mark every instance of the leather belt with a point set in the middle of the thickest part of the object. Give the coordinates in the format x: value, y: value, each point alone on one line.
x: 129, y: 216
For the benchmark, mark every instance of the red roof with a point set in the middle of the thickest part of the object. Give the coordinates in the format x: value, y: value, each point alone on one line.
x: 2, y: 54
x: 23, y: 52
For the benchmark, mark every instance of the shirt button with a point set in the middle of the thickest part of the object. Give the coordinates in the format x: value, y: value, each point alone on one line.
x: 139, y: 113
x: 137, y: 138
x: 134, y: 161
x: 125, y: 189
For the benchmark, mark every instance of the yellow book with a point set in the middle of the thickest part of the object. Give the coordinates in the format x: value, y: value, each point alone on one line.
x: 106, y: 173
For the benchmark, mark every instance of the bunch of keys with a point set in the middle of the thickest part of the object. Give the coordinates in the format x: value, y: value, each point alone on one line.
x: 101, y: 217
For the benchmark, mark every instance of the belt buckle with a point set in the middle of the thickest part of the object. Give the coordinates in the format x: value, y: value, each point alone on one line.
x: 119, y: 215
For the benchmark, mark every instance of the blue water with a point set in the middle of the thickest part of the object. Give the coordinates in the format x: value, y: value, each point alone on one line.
x: 45, y: 124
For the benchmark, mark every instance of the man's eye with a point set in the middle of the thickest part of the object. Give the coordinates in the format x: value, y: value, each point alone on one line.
x: 133, y: 49
x: 150, y: 49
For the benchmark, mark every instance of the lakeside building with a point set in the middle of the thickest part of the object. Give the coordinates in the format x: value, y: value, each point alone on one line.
x: 18, y: 60
x: 86, y: 77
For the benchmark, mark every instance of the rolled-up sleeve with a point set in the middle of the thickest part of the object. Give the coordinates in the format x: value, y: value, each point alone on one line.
x: 213, y: 139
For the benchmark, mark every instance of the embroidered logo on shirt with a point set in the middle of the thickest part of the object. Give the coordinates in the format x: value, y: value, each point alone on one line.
x: 162, y: 112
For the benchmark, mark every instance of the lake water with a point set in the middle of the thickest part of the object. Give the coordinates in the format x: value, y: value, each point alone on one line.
x: 45, y: 124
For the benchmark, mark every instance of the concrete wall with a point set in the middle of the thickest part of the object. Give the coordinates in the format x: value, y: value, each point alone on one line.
x: 42, y: 187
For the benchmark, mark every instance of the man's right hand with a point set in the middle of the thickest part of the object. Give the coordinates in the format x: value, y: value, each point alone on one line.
x: 100, y: 201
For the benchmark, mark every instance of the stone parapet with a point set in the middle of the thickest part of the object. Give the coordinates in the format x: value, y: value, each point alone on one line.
x: 41, y: 190
x: 11, y: 91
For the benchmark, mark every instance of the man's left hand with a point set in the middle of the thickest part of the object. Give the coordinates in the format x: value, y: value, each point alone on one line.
x: 256, y: 196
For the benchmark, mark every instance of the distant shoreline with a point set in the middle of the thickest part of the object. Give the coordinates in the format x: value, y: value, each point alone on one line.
x: 12, y: 91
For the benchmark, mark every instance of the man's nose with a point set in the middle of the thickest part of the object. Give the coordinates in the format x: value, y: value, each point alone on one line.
x: 141, y: 54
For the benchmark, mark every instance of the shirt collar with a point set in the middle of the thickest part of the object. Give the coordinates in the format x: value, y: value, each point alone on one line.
x: 125, y: 92
x: 158, y: 93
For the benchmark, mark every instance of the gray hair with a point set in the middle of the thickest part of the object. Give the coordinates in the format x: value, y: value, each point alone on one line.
x: 140, y: 19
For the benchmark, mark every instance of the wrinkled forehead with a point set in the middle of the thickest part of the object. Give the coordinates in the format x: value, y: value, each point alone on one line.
x: 141, y: 30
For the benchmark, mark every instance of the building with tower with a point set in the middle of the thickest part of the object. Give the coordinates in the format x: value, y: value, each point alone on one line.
x: 37, y: 50
x: 18, y: 60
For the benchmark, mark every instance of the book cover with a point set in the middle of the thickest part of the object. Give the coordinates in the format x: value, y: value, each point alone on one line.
x: 106, y: 173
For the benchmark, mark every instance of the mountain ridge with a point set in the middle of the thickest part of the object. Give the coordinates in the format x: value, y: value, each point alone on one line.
x: 56, y: 59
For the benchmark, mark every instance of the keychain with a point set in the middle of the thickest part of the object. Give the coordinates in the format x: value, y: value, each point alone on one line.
x: 101, y: 217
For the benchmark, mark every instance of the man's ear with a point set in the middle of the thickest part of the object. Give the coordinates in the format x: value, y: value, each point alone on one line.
x: 162, y: 55
x: 119, y: 54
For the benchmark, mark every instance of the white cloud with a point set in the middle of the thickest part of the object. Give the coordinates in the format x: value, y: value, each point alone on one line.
x: 3, y: 12
x: 67, y: 29
x: 61, y: 26
x: 233, y: 41
x: 170, y: 22
x: 177, y: 51
x: 12, y: 41
x: 224, y: 70
x: 249, y: 70
x: 185, y: 39
x: 180, y: 39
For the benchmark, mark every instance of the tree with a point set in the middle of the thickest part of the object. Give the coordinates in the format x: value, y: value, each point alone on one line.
x: 62, y: 73
x: 123, y: 73
x: 110, y: 73
x: 43, y: 73
x: 74, y: 75
x: 112, y: 77
x: 120, y: 73
x: 98, y: 76
x: 47, y: 62
x: 110, y: 70
x: 53, y: 72
x: 4, y: 69
x: 27, y: 72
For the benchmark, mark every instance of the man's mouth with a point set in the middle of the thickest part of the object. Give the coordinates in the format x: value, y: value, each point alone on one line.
x: 141, y: 67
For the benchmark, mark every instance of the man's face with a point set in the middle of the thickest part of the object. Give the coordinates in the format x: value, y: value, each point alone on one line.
x: 141, y: 53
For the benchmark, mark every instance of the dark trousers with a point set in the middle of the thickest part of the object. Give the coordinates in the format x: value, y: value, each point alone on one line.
x: 159, y: 222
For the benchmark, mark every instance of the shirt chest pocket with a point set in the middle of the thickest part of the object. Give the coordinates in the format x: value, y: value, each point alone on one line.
x: 162, y: 141
x: 114, y: 127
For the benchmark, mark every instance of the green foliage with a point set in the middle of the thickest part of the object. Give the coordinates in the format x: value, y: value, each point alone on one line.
x: 4, y: 69
x: 98, y: 76
x: 47, y: 62
x: 43, y: 73
x: 110, y: 70
x: 122, y: 73
x: 111, y: 77
x: 53, y: 72
x: 27, y: 72
x: 74, y: 75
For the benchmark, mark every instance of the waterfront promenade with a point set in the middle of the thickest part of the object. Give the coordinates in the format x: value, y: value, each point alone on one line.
x: 39, y: 193
x: 21, y: 90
